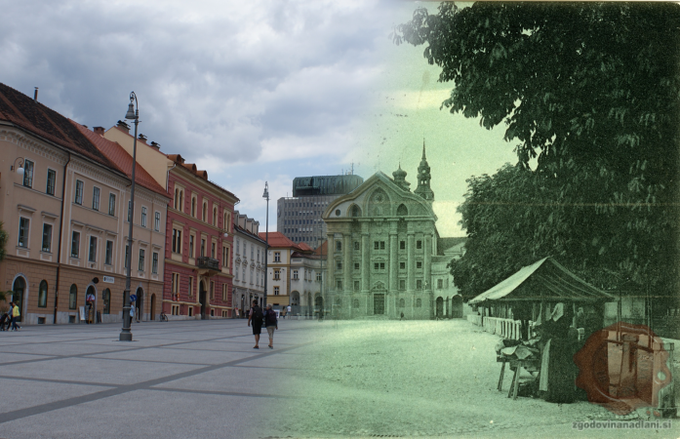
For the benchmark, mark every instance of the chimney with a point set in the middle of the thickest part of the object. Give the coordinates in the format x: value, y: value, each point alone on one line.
x: 35, y: 95
x: 123, y: 126
x: 142, y: 137
x: 98, y: 130
x: 156, y: 145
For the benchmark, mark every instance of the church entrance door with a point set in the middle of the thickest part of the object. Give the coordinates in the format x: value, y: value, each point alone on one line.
x: 378, y: 304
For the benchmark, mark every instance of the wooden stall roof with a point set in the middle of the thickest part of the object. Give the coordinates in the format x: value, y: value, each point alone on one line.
x: 543, y: 280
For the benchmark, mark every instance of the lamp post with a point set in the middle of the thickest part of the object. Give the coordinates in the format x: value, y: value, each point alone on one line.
x: 265, y: 195
x: 132, y: 114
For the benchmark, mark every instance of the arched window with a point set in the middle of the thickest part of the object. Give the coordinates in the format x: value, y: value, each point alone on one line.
x: 42, y: 294
x: 106, y: 295
x: 214, y: 223
x: 193, y: 206
x: 205, y: 212
x: 73, y: 297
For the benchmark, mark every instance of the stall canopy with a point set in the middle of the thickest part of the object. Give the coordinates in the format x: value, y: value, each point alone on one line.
x: 545, y: 279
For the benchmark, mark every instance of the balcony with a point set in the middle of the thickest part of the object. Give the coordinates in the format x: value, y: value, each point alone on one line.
x: 208, y: 265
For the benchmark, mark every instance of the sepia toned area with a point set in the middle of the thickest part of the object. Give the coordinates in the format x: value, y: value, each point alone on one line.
x: 419, y: 379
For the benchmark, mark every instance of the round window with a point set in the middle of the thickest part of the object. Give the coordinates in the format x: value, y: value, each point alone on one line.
x: 337, y: 212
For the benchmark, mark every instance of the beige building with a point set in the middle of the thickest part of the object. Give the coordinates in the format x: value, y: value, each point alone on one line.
x: 248, y: 263
x: 66, y: 217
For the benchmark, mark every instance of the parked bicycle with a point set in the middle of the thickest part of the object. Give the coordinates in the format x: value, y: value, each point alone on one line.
x: 163, y: 317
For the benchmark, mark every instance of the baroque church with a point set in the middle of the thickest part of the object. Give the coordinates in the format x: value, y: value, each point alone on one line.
x: 383, y: 252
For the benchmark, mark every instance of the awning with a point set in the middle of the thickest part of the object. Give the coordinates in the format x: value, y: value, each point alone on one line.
x: 543, y: 280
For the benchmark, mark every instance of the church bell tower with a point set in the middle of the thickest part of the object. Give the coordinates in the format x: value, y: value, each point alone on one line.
x: 424, y: 177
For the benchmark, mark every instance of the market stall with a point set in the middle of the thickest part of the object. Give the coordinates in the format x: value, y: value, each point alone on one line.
x: 553, y: 311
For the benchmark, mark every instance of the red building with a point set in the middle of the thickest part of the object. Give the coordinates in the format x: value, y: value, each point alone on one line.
x: 197, y: 279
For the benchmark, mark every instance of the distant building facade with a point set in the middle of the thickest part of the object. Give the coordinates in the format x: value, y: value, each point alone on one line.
x: 248, y: 263
x: 383, y: 256
x: 299, y: 216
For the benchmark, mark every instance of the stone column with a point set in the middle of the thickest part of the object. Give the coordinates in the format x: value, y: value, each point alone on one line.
x: 347, y: 267
x: 393, y: 285
x: 330, y: 263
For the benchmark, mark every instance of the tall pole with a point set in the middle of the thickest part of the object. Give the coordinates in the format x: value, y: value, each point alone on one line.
x: 265, y: 195
x: 132, y: 114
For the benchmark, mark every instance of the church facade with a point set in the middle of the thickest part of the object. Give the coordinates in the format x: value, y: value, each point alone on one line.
x: 382, y: 247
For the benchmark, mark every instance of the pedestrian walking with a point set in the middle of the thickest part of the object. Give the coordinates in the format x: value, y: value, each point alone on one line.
x: 271, y: 324
x: 255, y: 318
x: 15, y: 316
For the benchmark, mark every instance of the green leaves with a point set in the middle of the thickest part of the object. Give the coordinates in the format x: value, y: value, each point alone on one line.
x: 590, y: 90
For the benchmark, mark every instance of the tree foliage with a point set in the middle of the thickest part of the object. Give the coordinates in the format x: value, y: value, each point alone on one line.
x: 589, y: 93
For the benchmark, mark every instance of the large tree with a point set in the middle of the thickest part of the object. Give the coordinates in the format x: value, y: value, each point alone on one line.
x: 589, y: 93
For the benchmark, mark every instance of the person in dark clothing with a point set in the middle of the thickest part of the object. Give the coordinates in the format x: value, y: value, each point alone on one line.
x: 271, y: 323
x: 255, y: 318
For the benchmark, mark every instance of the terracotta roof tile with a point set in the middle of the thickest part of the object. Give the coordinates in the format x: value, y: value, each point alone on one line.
x: 121, y: 158
x: 278, y: 239
x: 35, y: 117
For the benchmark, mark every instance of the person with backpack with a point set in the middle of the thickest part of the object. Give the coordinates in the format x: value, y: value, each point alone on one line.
x: 271, y: 324
x: 256, y: 318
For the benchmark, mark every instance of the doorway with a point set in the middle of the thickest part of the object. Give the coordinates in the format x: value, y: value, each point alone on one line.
x: 440, y: 307
x: 152, y: 311
x: 18, y: 291
x: 378, y: 304
x: 201, y: 298
x: 139, y: 304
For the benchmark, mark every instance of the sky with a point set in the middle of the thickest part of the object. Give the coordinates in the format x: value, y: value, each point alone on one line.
x: 254, y: 91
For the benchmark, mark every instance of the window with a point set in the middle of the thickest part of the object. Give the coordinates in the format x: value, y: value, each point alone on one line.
x: 107, y: 301
x: 95, y: 198
x: 176, y: 240
x: 108, y: 258
x: 357, y: 285
x: 419, y: 303
x: 191, y: 286
x: 224, y: 295
x: 73, y: 297
x: 338, y: 284
x: 382, y: 265
x: 28, y: 173
x: 378, y: 245
x: 225, y: 256
x: 143, y: 216
x: 402, y: 303
x: 419, y: 264
x: 295, y: 275
x: 193, y: 206
x: 112, y: 204
x: 179, y: 199
x: 202, y: 247
x: 212, y: 290
x: 440, y: 284
x: 402, y: 265
x: 140, y: 265
x: 154, y: 263
x: 79, y: 192
x: 318, y: 277
x: 277, y: 256
x: 419, y: 284
x: 47, y: 238
x: 192, y: 245
x: 42, y: 294
x: 277, y: 290
x: 175, y: 286
x: 23, y: 232
x: 376, y: 265
x: 127, y: 256
x: 419, y: 244
x: 382, y: 245
x: 51, y: 181
x: 356, y: 265
x: 402, y: 284
x: 338, y: 246
x: 357, y: 245
x: 213, y: 247
x: 338, y: 265
x: 92, y: 254
x: 204, y: 212
x: 174, y: 310
x: 402, y: 245
x: 277, y: 274
x: 214, y: 218
x: 157, y: 222
x: 75, y: 244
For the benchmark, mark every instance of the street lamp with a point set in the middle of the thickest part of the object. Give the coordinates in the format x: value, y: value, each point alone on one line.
x: 18, y: 168
x: 132, y: 114
x: 265, y: 195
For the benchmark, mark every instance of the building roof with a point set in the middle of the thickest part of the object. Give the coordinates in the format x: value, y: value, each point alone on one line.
x: 543, y: 280
x: 248, y: 233
x: 278, y: 239
x: 26, y: 113
x: 191, y: 167
x: 122, y: 159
